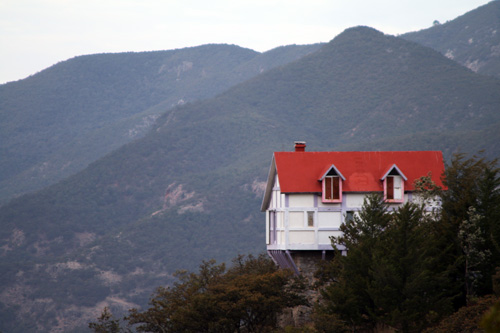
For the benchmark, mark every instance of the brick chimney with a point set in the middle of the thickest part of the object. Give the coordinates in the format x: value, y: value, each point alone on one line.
x: 300, y: 146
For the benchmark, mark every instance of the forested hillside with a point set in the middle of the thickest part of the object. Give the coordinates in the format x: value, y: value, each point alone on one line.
x: 407, y: 270
x: 191, y: 188
x: 472, y: 39
x: 56, y: 122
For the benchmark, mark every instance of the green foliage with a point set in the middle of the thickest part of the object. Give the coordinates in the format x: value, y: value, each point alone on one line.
x: 408, y: 281
x: 491, y: 320
x: 496, y: 282
x: 468, y: 318
x: 347, y: 299
x: 193, y: 180
x: 462, y: 179
x: 427, y: 189
x: 56, y: 122
x: 472, y: 240
x: 106, y: 323
x: 247, y: 297
x: 329, y: 322
x: 469, y: 39
x: 391, y: 274
x: 472, y: 194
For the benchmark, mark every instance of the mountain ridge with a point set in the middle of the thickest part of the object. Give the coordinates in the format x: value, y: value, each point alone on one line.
x: 472, y: 39
x: 55, y: 122
x: 190, y: 189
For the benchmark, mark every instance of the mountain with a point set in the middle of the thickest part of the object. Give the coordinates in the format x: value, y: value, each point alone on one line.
x: 472, y: 39
x: 56, y: 122
x: 191, y: 188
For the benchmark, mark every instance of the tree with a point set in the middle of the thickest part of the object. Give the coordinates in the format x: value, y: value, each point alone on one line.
x: 472, y: 182
x: 429, y: 192
x: 472, y: 241
x: 409, y: 284
x: 175, y: 308
x: 491, y: 320
x: 106, y: 323
x: 468, y: 318
x: 247, y: 297
x: 346, y: 298
x: 489, y: 208
x: 391, y: 274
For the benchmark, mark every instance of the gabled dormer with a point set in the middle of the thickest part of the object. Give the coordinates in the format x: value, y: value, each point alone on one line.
x: 394, y: 184
x: 331, y: 185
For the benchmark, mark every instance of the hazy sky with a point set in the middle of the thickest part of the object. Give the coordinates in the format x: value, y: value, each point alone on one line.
x: 35, y: 34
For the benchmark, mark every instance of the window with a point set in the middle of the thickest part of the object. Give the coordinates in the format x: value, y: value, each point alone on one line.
x: 332, y: 188
x: 310, y: 219
x: 394, y: 189
x: 271, y: 219
x: 394, y: 184
x: 332, y: 185
x: 349, y: 216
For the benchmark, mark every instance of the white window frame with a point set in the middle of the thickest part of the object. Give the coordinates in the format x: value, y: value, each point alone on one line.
x: 397, y: 178
x: 331, y: 173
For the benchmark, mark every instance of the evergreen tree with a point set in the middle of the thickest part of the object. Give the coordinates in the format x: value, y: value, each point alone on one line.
x: 472, y: 241
x: 348, y: 278
x: 407, y: 286
x: 392, y: 273
x: 472, y: 182
x: 489, y: 208
x: 106, y: 323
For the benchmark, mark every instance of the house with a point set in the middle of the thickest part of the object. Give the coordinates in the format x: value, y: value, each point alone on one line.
x: 310, y: 194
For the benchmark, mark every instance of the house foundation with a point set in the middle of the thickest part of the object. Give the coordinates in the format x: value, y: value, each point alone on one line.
x: 306, y: 263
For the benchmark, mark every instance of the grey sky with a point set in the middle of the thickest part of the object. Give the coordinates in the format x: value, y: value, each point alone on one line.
x: 35, y: 34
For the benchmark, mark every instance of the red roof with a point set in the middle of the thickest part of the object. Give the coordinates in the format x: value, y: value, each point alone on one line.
x: 299, y: 172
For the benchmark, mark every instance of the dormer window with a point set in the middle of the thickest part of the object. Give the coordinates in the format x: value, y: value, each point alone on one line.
x: 332, y: 188
x: 332, y: 185
x: 394, y: 185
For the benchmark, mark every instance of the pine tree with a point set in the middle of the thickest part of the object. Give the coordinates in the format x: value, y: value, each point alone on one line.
x: 392, y: 274
x: 472, y: 240
x: 349, y: 277
x: 489, y: 208
x: 472, y: 182
x: 106, y: 323
x: 407, y: 286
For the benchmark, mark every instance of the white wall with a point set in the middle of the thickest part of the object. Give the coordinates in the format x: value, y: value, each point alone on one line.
x: 292, y: 227
x: 301, y: 200
x: 329, y: 219
x: 354, y: 200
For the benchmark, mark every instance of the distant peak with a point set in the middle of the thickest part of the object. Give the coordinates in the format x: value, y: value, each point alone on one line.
x: 362, y: 29
x: 358, y: 32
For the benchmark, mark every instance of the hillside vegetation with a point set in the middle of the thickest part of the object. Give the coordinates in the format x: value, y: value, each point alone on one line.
x: 406, y: 269
x: 472, y: 39
x: 56, y: 122
x: 191, y: 188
